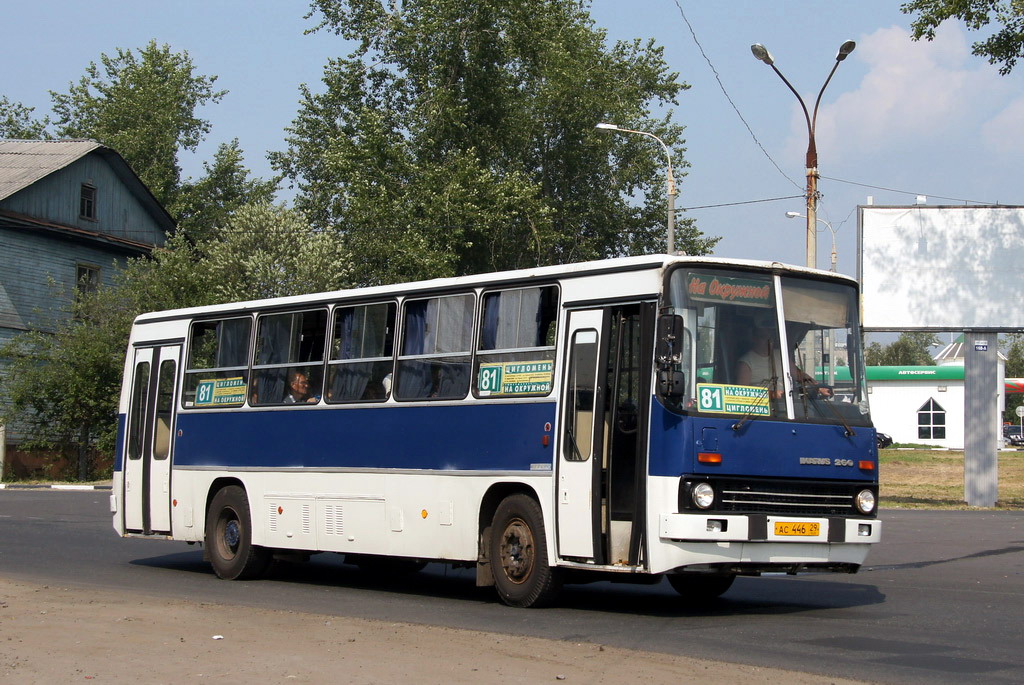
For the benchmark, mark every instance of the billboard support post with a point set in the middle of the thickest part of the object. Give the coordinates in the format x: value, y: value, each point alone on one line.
x: 981, y: 475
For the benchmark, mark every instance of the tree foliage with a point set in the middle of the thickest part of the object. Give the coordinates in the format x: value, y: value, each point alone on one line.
x: 142, y: 105
x: 459, y: 137
x: 205, y: 206
x: 910, y: 349
x: 1006, y: 44
x: 1014, y: 351
x: 16, y: 121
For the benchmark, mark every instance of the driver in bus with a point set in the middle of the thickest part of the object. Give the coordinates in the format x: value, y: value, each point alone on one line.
x: 762, y: 364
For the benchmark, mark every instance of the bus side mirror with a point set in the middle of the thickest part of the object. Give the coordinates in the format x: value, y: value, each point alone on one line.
x: 671, y: 383
x: 670, y: 339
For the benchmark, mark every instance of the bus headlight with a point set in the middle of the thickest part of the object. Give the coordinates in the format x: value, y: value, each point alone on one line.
x: 703, y: 495
x: 865, y: 501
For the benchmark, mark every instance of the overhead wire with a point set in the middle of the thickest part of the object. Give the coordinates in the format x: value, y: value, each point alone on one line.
x: 739, y: 114
x: 729, y: 98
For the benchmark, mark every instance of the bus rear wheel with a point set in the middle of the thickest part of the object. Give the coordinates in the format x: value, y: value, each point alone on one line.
x: 518, y: 554
x: 229, y: 537
x: 700, y: 588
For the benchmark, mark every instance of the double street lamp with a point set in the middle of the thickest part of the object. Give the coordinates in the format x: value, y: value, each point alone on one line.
x: 762, y: 54
x: 671, y: 237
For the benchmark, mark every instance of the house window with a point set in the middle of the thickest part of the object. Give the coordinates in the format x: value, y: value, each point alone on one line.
x: 87, y: 202
x: 931, y: 421
x: 87, y: 279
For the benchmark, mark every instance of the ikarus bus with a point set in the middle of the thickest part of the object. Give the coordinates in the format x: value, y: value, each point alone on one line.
x: 623, y: 419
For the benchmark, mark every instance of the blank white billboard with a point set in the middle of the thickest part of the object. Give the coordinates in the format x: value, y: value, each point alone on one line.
x: 941, y: 268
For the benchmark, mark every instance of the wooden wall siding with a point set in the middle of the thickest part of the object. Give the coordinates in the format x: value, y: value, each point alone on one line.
x: 28, y: 262
x: 56, y: 198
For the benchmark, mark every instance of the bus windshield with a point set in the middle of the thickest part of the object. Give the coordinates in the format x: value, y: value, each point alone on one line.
x: 760, y: 345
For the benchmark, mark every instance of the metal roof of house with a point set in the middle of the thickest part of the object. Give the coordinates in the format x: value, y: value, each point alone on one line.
x: 23, y: 162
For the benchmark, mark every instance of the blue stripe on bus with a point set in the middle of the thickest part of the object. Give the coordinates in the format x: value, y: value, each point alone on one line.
x: 758, y: 448
x: 499, y: 437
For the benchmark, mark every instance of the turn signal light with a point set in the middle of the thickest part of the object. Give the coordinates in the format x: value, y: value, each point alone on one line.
x: 866, y: 465
x: 709, y: 457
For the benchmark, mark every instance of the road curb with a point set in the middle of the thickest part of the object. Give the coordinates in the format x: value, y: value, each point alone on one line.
x: 20, y: 486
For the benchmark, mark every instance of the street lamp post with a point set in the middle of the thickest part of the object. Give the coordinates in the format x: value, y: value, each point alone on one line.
x: 761, y: 53
x: 671, y: 236
x: 794, y: 215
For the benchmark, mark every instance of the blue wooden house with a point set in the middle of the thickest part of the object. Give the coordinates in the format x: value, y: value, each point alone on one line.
x: 70, y: 210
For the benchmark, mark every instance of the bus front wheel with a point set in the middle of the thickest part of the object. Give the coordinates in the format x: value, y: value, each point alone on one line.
x: 229, y: 537
x: 519, y: 556
x: 700, y: 588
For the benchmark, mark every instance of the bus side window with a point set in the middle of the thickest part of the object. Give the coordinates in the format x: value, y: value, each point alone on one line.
x: 517, y: 336
x: 360, y: 368
x: 137, y: 412
x: 436, y: 348
x: 217, y: 368
x: 289, y: 358
x: 582, y: 393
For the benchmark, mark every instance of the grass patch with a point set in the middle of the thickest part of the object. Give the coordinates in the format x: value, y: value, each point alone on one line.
x: 930, y: 479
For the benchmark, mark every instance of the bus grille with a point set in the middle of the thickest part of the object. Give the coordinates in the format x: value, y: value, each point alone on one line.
x: 793, y: 498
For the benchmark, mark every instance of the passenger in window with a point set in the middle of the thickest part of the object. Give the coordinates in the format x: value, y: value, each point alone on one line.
x: 298, y: 389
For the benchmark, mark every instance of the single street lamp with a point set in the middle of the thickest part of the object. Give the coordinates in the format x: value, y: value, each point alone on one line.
x: 671, y: 237
x: 761, y: 53
x: 794, y: 215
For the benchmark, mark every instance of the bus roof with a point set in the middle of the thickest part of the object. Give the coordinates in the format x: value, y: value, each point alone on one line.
x: 656, y: 261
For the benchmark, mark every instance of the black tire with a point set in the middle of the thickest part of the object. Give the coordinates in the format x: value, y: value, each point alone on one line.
x: 518, y: 554
x: 700, y: 588
x: 229, y: 537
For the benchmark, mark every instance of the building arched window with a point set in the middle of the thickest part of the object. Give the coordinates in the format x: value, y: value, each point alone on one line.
x: 931, y: 421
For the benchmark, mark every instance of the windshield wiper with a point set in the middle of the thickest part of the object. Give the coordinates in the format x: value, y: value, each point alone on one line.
x: 805, y: 383
x: 767, y: 386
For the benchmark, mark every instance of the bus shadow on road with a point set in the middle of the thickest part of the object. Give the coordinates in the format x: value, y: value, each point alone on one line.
x: 770, y: 595
x: 767, y: 595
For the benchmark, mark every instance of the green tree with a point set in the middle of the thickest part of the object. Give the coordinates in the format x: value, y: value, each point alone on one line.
x: 459, y: 137
x: 1006, y: 44
x: 144, y: 106
x: 64, y: 386
x: 910, y: 349
x: 16, y: 121
x: 1014, y: 351
x: 205, y: 206
x: 269, y: 251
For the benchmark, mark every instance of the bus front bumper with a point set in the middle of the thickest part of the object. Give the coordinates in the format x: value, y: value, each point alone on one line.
x: 710, y: 527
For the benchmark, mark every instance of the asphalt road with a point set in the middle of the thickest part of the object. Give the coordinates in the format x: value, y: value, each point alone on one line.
x: 940, y: 601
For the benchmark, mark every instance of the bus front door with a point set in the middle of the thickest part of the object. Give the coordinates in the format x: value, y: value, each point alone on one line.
x: 579, y: 453
x: 602, y: 462
x: 148, y: 440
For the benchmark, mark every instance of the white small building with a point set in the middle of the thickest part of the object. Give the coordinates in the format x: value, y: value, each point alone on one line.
x: 925, y: 404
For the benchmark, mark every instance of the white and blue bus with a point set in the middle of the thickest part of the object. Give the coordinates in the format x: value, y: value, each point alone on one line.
x: 557, y: 424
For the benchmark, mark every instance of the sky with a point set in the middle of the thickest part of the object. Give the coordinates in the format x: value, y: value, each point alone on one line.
x: 898, y: 120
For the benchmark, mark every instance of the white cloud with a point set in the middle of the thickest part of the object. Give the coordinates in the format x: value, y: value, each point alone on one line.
x: 1003, y: 135
x: 915, y: 95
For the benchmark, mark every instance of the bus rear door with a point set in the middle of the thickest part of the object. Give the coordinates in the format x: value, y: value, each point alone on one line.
x: 149, y: 437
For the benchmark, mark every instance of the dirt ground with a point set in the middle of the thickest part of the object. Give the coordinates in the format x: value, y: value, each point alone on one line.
x: 61, y: 635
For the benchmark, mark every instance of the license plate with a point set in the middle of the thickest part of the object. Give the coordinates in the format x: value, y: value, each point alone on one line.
x: 807, y: 528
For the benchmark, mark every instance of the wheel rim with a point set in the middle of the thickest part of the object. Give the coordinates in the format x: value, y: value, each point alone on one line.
x: 229, y: 534
x: 517, y: 551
